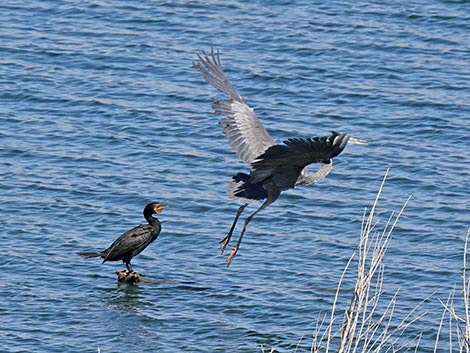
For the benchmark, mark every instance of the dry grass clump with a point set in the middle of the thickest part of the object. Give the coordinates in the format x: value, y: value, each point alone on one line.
x: 368, y: 323
x: 459, y: 323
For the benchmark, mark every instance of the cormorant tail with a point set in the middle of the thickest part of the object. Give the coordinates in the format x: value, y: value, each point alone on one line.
x: 241, y: 187
x: 87, y: 255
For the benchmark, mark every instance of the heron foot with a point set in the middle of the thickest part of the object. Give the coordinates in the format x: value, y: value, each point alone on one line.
x: 224, y: 243
x: 232, y: 255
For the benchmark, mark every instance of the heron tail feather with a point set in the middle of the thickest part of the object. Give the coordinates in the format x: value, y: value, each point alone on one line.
x: 241, y: 187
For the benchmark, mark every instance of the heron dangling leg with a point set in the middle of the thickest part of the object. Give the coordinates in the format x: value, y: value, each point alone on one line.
x: 273, y: 194
x: 224, y: 242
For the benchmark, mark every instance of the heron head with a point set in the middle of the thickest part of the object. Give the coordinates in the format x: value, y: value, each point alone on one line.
x: 356, y: 141
x: 338, y: 142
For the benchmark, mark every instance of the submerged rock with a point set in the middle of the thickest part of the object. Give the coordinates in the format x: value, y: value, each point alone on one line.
x: 130, y: 277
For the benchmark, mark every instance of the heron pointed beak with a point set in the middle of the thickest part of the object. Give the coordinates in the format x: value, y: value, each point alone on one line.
x: 356, y: 141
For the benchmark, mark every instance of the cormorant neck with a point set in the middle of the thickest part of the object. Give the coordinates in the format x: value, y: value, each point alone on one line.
x: 153, y: 221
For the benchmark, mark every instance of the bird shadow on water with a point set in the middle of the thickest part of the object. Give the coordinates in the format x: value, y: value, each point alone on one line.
x: 129, y: 297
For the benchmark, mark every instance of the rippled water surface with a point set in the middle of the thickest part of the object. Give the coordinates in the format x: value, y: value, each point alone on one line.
x: 102, y: 111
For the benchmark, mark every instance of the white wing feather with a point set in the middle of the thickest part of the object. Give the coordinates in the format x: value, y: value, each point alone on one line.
x: 245, y: 133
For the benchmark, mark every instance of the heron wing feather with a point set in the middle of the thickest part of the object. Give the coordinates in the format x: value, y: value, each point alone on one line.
x: 245, y: 133
x: 296, y: 154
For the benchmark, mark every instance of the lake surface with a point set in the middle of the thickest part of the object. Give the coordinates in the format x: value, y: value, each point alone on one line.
x: 101, y: 112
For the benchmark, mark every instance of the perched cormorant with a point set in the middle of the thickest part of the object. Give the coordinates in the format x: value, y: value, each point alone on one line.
x: 133, y: 241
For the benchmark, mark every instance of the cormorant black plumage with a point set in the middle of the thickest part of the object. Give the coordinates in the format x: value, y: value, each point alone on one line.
x: 133, y: 241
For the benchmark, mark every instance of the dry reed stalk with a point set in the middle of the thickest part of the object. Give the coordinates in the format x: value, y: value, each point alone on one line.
x: 364, y: 328
x: 455, y: 320
x: 466, y: 293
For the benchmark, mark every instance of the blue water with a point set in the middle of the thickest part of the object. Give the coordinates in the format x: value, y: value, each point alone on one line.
x: 101, y: 112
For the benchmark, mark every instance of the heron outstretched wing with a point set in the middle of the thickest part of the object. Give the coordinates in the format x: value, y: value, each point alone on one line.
x: 296, y: 154
x: 245, y: 133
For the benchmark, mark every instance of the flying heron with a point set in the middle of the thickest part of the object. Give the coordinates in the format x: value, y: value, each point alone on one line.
x: 273, y: 167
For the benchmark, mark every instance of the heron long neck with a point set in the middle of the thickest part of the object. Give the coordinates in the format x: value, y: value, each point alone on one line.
x: 308, y: 178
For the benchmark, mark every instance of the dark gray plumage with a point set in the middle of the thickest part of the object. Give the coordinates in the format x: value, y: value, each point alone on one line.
x: 274, y: 167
